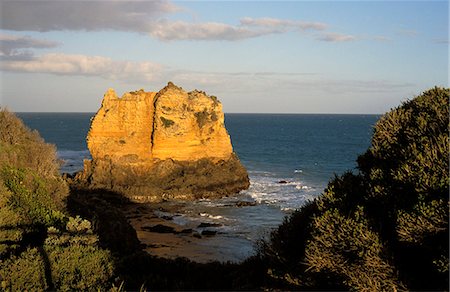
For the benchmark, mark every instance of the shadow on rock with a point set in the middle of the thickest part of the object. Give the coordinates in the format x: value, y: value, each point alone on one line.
x: 103, y: 209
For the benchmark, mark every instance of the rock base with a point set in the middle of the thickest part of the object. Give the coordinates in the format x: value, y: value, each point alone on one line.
x: 166, y: 179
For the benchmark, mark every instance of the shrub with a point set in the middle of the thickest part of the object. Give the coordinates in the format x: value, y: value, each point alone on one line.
x: 387, y: 227
x: 23, y: 273
x: 346, y: 246
x: 41, y: 247
x: 23, y: 148
x: 78, y: 267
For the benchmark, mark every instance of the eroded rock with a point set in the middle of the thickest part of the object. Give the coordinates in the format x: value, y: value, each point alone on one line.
x: 161, y: 146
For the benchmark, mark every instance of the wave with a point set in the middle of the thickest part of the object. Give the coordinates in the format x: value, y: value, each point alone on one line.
x: 286, y: 193
x: 218, y: 217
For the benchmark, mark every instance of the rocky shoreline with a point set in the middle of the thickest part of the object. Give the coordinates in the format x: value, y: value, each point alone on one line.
x: 165, y: 229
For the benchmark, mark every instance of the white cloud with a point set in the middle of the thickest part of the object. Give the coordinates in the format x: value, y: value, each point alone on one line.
x: 282, y: 24
x: 336, y: 37
x: 66, y: 64
x: 248, y: 28
x: 181, y: 30
x: 14, y: 46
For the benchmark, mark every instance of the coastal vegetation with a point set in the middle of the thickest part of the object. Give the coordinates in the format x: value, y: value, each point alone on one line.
x: 382, y: 227
x: 41, y: 246
x: 385, y: 227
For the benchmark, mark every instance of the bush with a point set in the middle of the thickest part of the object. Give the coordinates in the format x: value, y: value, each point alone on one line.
x: 385, y: 228
x: 78, y: 267
x: 23, y: 273
x: 41, y: 247
x: 23, y: 148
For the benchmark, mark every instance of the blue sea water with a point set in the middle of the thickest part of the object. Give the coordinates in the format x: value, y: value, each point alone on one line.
x: 304, y: 150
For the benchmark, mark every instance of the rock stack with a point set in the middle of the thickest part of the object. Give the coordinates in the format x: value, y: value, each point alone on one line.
x: 167, y: 145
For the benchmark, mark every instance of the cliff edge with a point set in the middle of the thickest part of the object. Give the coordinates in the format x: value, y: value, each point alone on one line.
x: 166, y: 145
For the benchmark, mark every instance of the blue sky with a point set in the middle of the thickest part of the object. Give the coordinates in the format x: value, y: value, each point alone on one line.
x: 256, y: 56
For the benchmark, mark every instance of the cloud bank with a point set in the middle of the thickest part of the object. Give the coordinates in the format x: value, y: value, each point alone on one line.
x: 81, y: 15
x: 146, y: 17
x: 68, y: 64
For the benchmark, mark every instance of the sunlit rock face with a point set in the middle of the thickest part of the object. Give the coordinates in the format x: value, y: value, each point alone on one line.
x: 166, y: 145
x: 189, y: 126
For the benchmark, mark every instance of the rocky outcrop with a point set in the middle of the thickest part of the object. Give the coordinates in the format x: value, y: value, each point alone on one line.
x: 167, y: 145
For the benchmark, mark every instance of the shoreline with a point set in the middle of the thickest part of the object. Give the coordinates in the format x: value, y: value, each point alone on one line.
x: 164, y: 231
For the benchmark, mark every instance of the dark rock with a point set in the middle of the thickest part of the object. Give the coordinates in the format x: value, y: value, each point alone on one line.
x: 205, y: 224
x: 133, y: 216
x: 245, y: 204
x: 283, y: 182
x: 197, y: 235
x: 103, y: 209
x: 155, y: 245
x: 186, y: 231
x: 209, y: 232
x: 159, y: 228
x: 165, y: 217
x: 168, y: 179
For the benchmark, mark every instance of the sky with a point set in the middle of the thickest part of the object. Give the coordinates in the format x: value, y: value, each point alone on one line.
x: 357, y: 57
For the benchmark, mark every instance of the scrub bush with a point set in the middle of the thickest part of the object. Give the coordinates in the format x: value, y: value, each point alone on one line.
x: 40, y: 246
x: 384, y: 228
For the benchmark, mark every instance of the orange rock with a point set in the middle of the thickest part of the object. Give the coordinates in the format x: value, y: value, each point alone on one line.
x: 122, y: 126
x: 171, y: 124
x: 156, y: 145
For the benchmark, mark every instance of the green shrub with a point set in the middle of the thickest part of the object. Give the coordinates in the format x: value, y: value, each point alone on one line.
x: 40, y: 246
x: 23, y: 273
x: 23, y: 148
x: 30, y: 197
x: 385, y: 228
x: 78, y: 267
x: 346, y: 246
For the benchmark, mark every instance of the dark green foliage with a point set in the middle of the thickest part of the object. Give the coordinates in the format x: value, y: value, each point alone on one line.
x: 23, y: 273
x: 167, y: 122
x: 385, y: 228
x: 78, y: 267
x: 40, y: 246
x: 30, y: 197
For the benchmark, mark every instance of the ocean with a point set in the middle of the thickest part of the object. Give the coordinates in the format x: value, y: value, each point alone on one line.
x: 304, y: 151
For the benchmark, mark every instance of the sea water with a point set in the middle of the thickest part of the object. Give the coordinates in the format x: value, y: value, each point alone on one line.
x: 289, y: 158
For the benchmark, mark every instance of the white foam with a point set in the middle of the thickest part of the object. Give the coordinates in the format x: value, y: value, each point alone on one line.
x: 211, y: 216
x: 287, y: 196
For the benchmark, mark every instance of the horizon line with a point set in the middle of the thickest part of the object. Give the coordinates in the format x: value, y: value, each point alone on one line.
x: 238, y: 113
